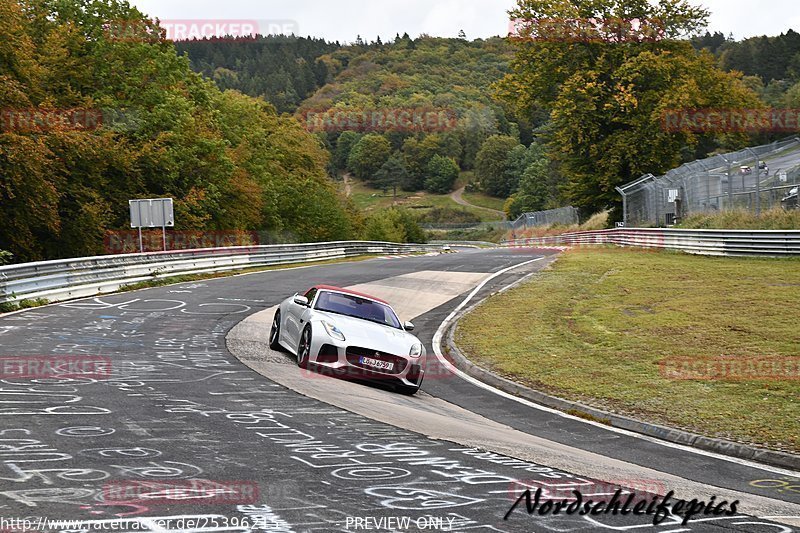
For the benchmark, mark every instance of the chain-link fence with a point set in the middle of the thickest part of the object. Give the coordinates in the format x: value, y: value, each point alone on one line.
x: 756, y: 179
x: 467, y: 226
x: 566, y: 216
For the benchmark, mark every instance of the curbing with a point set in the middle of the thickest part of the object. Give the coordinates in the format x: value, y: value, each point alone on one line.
x: 678, y: 436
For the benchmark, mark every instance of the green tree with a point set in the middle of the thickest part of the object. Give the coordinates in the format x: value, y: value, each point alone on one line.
x: 792, y: 98
x: 491, y: 164
x: 29, y: 195
x: 518, y: 160
x: 368, y: 156
x: 392, y: 174
x: 344, y: 144
x: 477, y: 125
x: 533, y: 190
x: 607, y: 99
x: 419, y: 151
x: 442, y: 174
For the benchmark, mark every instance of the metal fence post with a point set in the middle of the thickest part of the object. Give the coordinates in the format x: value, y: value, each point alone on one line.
x: 624, y: 206
x: 757, y: 169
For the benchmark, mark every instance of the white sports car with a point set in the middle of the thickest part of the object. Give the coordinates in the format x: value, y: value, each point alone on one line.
x: 349, y: 332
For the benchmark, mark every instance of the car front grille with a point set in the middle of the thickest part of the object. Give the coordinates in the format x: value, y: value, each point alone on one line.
x: 354, y: 354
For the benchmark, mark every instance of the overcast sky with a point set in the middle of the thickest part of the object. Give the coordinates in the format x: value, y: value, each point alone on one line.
x: 342, y: 20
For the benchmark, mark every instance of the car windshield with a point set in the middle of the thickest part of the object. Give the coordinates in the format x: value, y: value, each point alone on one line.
x: 356, y: 307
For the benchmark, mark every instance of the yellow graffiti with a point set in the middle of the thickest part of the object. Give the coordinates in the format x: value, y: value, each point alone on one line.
x: 785, y: 484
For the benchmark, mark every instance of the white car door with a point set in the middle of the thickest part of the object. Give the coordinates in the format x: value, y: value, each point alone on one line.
x: 296, y: 318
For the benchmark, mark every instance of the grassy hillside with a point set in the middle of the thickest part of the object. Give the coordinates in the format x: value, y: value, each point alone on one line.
x: 369, y: 199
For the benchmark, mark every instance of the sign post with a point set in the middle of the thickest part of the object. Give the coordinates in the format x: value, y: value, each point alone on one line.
x: 152, y: 214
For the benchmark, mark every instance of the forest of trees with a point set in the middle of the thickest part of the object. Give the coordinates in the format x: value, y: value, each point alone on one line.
x: 771, y: 65
x: 438, y: 73
x: 221, y: 125
x: 527, y: 97
x: 157, y: 129
x: 283, y: 70
x: 769, y: 58
x: 452, y: 75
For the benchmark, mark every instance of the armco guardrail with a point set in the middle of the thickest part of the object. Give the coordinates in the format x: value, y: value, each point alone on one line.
x: 695, y: 241
x: 467, y: 244
x: 77, y: 278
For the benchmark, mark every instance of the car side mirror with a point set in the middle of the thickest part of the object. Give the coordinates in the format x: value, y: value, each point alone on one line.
x: 408, y: 326
x: 301, y: 300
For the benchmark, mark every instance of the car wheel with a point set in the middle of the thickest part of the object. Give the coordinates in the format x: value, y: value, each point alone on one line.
x: 304, y: 348
x: 275, y: 332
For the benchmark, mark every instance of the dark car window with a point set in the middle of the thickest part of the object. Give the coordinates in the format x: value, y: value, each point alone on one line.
x: 310, y: 295
x: 353, y: 306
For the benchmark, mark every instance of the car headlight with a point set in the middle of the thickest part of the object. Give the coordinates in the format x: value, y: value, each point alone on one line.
x: 333, y: 331
x: 416, y: 350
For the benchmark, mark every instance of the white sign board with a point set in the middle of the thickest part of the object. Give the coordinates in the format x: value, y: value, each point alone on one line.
x: 673, y: 195
x: 157, y: 213
x: 782, y: 176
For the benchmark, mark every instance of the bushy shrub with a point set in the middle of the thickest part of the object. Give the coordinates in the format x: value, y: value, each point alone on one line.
x: 394, y: 225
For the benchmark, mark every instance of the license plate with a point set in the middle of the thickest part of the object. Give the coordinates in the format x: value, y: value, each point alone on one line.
x: 376, y: 363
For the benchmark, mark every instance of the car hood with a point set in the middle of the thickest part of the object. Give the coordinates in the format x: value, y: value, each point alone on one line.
x: 366, y: 334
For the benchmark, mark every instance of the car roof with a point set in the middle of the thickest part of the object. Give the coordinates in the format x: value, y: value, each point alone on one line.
x: 348, y: 291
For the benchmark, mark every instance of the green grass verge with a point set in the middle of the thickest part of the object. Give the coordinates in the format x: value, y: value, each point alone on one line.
x: 484, y: 200
x: 368, y: 199
x: 594, y: 327
x: 774, y: 219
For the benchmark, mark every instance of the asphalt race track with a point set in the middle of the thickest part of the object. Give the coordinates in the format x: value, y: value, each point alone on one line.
x: 186, y: 434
